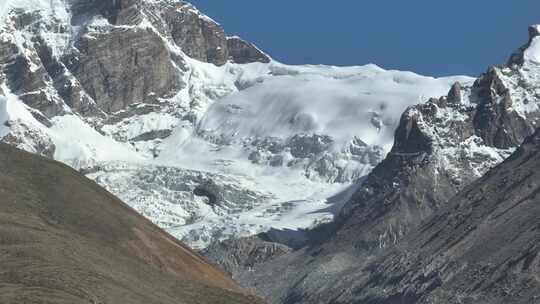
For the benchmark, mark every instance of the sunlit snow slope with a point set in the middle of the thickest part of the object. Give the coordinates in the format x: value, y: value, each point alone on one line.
x: 226, y: 150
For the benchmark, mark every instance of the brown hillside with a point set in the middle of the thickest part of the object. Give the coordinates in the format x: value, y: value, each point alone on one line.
x: 64, y: 239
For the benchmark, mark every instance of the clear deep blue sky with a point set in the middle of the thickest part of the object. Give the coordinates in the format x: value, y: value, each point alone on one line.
x: 431, y: 37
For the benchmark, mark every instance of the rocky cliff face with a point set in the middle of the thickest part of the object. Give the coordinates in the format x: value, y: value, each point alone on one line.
x: 482, y: 246
x: 197, y: 35
x: 118, y: 68
x: 241, y: 51
x: 442, y: 146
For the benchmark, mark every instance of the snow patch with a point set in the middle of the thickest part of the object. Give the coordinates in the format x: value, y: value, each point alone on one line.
x: 533, y: 51
x: 47, y: 8
x: 81, y: 146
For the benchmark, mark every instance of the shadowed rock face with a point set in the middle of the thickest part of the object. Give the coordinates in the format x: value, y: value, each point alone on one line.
x: 482, y: 247
x: 118, y: 68
x: 248, y: 252
x: 200, y: 38
x: 66, y: 240
x: 493, y: 121
x: 241, y: 51
x: 440, y: 147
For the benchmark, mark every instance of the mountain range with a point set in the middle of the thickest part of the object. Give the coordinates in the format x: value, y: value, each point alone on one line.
x: 307, y: 184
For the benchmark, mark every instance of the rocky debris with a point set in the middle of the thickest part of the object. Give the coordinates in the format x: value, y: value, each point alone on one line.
x: 369, y: 154
x: 152, y: 135
x: 242, y: 52
x: 136, y: 109
x: 304, y: 146
x: 243, y: 254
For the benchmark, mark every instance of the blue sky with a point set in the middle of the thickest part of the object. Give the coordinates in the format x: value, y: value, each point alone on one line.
x: 436, y: 37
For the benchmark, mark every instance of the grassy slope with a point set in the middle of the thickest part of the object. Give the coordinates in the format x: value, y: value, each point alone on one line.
x: 63, y: 239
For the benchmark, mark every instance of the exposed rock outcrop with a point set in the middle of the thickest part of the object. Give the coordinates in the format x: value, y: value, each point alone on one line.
x: 482, y: 246
x: 197, y: 35
x: 237, y: 255
x: 241, y: 51
x: 120, y: 67
x: 24, y: 74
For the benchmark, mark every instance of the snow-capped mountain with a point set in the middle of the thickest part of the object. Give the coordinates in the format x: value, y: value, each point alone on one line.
x: 204, y: 134
x: 433, y: 222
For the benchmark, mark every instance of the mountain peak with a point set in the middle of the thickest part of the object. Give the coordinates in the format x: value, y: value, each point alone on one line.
x: 530, y: 52
x: 534, y: 31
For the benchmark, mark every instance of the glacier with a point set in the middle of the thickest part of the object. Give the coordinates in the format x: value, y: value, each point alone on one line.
x: 238, y: 150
